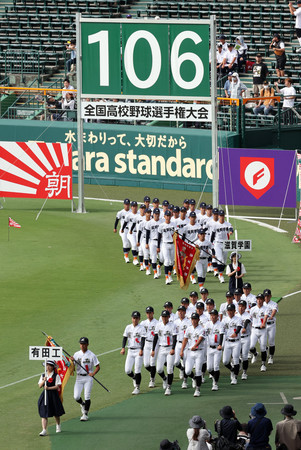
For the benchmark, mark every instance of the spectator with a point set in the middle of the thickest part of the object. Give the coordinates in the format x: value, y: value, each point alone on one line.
x: 237, y: 88
x: 243, y: 437
x: 227, y: 85
x: 230, y: 59
x: 279, y: 49
x: 288, y: 431
x: 72, y: 61
x: 219, y: 60
x: 229, y: 425
x: 259, y: 428
x: 242, y: 50
x: 222, y: 40
x: 67, y: 86
x: 260, y: 72
x: 289, y: 95
x: 297, y: 14
x: 167, y: 445
x: 52, y: 104
x: 197, y: 434
x: 68, y: 104
x: 265, y: 106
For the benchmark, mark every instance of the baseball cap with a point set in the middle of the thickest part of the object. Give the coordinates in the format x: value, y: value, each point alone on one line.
x: 148, y: 210
x: 204, y: 291
x: 247, y: 286
x: 184, y: 300
x: 134, y: 203
x: 186, y: 200
x: 170, y: 206
x: 193, y: 294
x: 201, y: 231
x: 156, y: 200
x: 209, y: 301
x: 176, y: 209
x: 183, y: 209
x: 199, y: 305
x: 181, y: 308
x: 195, y: 316
x: 268, y: 291
x: 192, y: 214
x: 229, y: 294
x: 214, y: 311
x: 209, y: 206
x: 260, y: 296
x: 238, y: 291
x: 168, y: 305
x: 221, y: 212
x: 242, y: 303
x: 231, y: 44
x: 165, y: 203
x: 143, y: 206
x: 219, y: 45
x: 165, y: 313
x: 222, y: 36
x: 136, y: 314
x: 231, y: 307
x: 215, y: 211
x: 259, y: 55
x: 146, y: 198
x: 127, y: 201
x: 167, y: 213
x: 203, y: 205
x: 149, y: 309
x: 84, y: 340
x: 192, y: 201
x: 156, y: 211
x: 230, y: 74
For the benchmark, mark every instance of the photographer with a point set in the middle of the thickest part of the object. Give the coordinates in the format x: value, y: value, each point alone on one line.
x: 279, y: 49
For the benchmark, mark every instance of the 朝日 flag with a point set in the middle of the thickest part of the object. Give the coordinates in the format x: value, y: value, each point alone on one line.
x: 13, y: 223
x: 65, y: 367
x: 186, y: 256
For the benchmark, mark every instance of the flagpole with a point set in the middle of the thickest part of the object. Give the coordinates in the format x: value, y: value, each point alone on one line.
x: 45, y: 384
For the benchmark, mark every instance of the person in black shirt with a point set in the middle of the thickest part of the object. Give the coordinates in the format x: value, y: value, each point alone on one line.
x: 260, y: 72
x: 278, y: 46
x: 229, y: 425
x: 259, y: 428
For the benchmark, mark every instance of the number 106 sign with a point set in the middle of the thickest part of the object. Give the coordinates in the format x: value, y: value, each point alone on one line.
x: 145, y: 59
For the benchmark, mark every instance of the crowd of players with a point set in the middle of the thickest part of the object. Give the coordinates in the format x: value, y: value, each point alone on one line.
x: 148, y: 233
x: 198, y: 337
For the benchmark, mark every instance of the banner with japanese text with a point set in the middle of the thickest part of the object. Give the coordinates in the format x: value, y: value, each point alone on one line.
x: 65, y: 367
x: 186, y: 256
x: 36, y: 170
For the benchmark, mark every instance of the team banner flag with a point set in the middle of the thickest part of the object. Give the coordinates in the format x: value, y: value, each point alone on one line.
x: 297, y: 235
x: 186, y: 256
x: 65, y: 366
x: 36, y: 170
x: 12, y: 223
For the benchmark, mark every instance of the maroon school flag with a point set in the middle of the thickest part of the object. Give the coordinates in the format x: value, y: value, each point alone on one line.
x: 186, y: 256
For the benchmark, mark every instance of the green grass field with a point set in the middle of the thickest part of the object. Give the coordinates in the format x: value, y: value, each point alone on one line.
x: 64, y: 274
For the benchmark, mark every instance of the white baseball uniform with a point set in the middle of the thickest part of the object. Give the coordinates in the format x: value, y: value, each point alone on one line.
x: 181, y: 326
x: 121, y: 215
x: 205, y: 248
x: 150, y: 327
x: 166, y: 334
x: 232, y: 346
x: 195, y: 358
x: 166, y: 230
x: 250, y: 299
x: 191, y: 232
x: 221, y: 231
x: 245, y: 337
x: 213, y: 333
x: 223, y: 308
x: 130, y: 219
x: 142, y: 249
x: 152, y: 226
x: 134, y: 335
x: 271, y: 323
x: 258, y: 334
x: 83, y: 380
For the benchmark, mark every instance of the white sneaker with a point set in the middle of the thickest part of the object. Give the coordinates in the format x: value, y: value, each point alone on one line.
x: 84, y: 418
x: 127, y: 260
x: 211, y: 377
x: 167, y: 281
x: 181, y: 376
x: 141, y: 268
x: 221, y: 279
x: 244, y: 376
x: 270, y: 361
x: 192, y: 279
x: 159, y: 271
x: 263, y: 368
x: 208, y: 269
x: 156, y: 276
x: 215, y: 273
x: 82, y: 407
x: 193, y: 383
x: 164, y: 384
x: 175, y: 272
x: 250, y: 355
x: 167, y: 391
x: 232, y: 376
x: 136, y: 391
x: 254, y: 359
x: 184, y: 385
x: 214, y: 387
x: 134, y: 383
x: 170, y: 278
x: 234, y: 380
x: 211, y: 269
x: 135, y: 262
x: 58, y: 428
x: 203, y: 379
x: 43, y: 433
x: 151, y: 384
x: 148, y: 272
x: 197, y: 392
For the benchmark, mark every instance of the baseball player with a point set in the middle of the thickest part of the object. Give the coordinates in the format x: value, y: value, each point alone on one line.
x: 168, y: 306
x: 245, y: 336
x: 141, y: 240
x: 210, y: 305
x: 237, y: 296
x: 259, y: 317
x: 166, y: 337
x: 211, y: 225
x: 184, y: 302
x: 165, y: 234
x: 134, y: 337
x: 156, y: 203
x: 232, y: 324
x: 221, y: 231
x: 223, y: 307
x: 138, y: 218
x: 250, y: 298
x: 206, y: 250
x: 193, y: 296
x: 165, y: 206
x: 214, y: 332
x: 175, y: 214
x: 129, y: 220
x: 120, y: 216
x: 182, y: 221
x: 235, y: 271
x: 149, y: 362
x: 192, y: 207
x: 203, y: 319
x: 146, y: 201
x: 202, y: 212
x: 181, y: 323
x: 204, y: 222
x: 271, y: 322
x: 186, y: 204
x: 195, y: 338
x: 151, y: 240
x: 204, y: 294
x: 84, y: 378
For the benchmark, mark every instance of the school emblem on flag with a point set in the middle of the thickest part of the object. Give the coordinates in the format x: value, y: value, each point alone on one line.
x: 36, y: 170
x: 186, y: 256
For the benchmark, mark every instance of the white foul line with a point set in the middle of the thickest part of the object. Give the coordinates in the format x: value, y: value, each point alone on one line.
x: 262, y: 224
x: 284, y: 400
x: 294, y: 293
x: 34, y: 376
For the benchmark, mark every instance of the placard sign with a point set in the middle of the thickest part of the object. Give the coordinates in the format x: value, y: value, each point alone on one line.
x: 39, y: 353
x: 240, y: 245
x: 146, y: 59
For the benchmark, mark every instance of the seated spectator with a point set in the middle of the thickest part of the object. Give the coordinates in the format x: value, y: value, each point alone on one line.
x: 289, y: 95
x: 243, y: 437
x: 230, y: 59
x: 52, y: 104
x: 259, y: 428
x: 242, y: 50
x: 288, y: 431
x: 229, y: 425
x: 265, y: 106
x: 197, y: 434
x: 72, y: 61
x: 222, y: 40
x: 237, y: 88
x: 67, y: 86
x: 219, y: 60
x: 227, y: 85
x: 67, y: 104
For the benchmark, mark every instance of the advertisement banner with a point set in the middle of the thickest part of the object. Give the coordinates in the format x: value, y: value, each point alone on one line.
x: 36, y: 170
x: 257, y: 177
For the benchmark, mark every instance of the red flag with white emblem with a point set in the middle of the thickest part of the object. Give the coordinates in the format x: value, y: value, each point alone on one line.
x: 186, y: 256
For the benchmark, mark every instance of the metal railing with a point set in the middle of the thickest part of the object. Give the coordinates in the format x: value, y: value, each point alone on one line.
x: 22, y: 62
